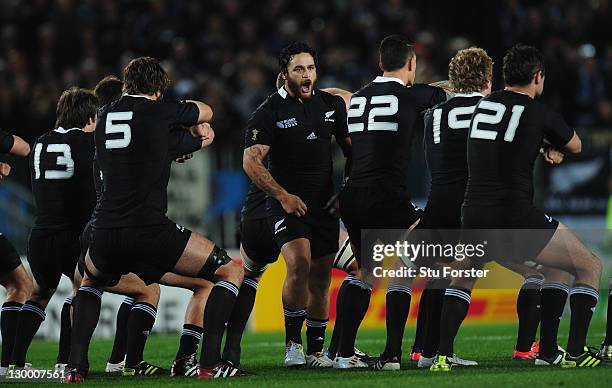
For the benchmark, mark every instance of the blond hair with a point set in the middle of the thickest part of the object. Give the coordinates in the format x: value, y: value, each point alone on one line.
x: 470, y: 70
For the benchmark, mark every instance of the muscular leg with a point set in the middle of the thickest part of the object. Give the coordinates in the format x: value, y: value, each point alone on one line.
x: 564, y: 251
x: 253, y: 271
x: 191, y: 334
x: 554, y: 293
x: 527, y: 305
x: 18, y: 285
x: 32, y: 314
x: 141, y: 317
x: 319, y: 279
x: 199, y: 254
x: 295, y: 298
x: 334, y: 343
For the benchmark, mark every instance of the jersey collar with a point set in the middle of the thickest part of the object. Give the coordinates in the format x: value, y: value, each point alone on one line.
x: 138, y: 95
x: 381, y: 79
x: 283, y: 93
x: 64, y: 130
x: 472, y: 94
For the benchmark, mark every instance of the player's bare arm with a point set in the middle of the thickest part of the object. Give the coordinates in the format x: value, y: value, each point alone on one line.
x: 206, y: 112
x: 20, y: 147
x: 573, y: 146
x: 252, y: 163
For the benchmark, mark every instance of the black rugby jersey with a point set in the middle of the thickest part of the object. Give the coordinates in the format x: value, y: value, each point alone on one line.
x: 445, y: 139
x: 299, y: 135
x: 6, y: 142
x: 61, y: 176
x: 132, y: 145
x: 381, y: 122
x: 506, y: 133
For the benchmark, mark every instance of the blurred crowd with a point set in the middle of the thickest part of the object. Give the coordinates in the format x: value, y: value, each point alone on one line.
x: 224, y: 51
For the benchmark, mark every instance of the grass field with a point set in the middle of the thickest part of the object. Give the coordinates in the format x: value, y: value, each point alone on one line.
x: 491, y: 345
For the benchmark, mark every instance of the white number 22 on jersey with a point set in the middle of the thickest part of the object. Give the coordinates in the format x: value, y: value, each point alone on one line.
x: 496, y: 118
x: 123, y: 129
x: 389, y: 108
x: 65, y: 159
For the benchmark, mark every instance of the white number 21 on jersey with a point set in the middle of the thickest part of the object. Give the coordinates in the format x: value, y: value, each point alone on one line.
x: 123, y: 128
x: 496, y: 118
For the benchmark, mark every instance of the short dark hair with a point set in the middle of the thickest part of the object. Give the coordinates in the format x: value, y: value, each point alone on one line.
x: 293, y: 49
x: 75, y: 107
x: 521, y: 63
x: 145, y: 75
x: 108, y: 89
x: 394, y: 51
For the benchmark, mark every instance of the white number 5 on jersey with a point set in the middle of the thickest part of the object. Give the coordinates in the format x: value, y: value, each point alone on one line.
x: 123, y: 128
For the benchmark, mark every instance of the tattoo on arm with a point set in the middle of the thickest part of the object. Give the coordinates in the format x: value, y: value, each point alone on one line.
x: 252, y: 162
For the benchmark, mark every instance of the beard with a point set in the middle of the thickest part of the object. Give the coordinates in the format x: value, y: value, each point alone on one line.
x: 301, y: 89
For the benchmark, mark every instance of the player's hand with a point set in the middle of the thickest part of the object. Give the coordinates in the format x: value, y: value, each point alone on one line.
x: 333, y: 205
x: 553, y: 156
x: 204, y: 132
x: 5, y: 170
x: 292, y: 204
x: 184, y: 158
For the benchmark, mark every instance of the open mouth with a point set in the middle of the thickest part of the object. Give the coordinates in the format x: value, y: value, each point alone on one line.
x: 305, y: 87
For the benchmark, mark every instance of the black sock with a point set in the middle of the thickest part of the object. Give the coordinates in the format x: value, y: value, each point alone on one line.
x: 140, y: 323
x: 315, y: 334
x: 190, y: 339
x: 335, y: 338
x: 216, y: 315
x: 238, y: 320
x: 553, y: 296
x: 454, y: 310
x: 121, y: 331
x: 354, y: 309
x: 294, y: 320
x: 421, y: 324
x: 434, y: 303
x: 85, y: 316
x: 528, y: 311
x: 583, y: 300
x: 65, y: 332
x: 608, y: 339
x: 8, y: 327
x: 397, y: 308
x: 31, y: 316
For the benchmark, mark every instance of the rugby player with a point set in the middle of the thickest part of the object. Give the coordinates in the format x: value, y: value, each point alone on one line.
x: 293, y: 128
x: 605, y: 351
x: 376, y: 194
x: 507, y: 130
x: 62, y: 183
x: 131, y: 232
x: 13, y: 276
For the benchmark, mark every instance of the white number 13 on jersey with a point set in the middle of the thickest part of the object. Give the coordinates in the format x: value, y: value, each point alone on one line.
x: 496, y: 118
x: 123, y: 129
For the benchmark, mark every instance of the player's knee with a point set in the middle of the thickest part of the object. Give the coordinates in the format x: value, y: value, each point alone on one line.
x: 217, y: 258
x: 149, y: 294
x: 19, y: 291
x: 298, y: 266
x: 235, y: 272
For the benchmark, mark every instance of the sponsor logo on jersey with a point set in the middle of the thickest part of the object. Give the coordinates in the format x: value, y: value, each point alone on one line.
x: 180, y: 227
x: 312, y: 136
x: 254, y: 132
x: 328, y: 116
x: 277, y: 226
x: 288, y: 123
x: 549, y: 218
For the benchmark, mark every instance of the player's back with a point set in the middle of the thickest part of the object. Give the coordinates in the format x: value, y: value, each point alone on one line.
x: 506, y: 133
x: 132, y: 136
x: 381, y: 120
x: 445, y: 140
x: 62, y: 182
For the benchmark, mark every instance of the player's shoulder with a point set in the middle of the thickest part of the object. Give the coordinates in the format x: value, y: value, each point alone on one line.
x: 272, y: 102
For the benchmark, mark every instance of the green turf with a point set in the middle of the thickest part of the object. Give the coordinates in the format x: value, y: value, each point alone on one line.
x: 491, y: 345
